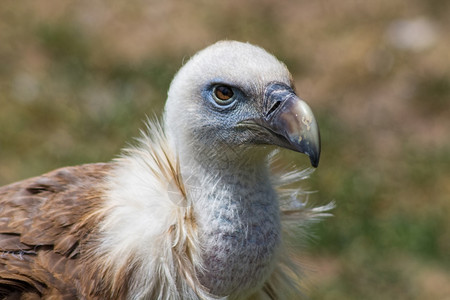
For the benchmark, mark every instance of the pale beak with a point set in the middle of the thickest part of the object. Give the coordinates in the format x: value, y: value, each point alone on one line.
x: 291, y: 121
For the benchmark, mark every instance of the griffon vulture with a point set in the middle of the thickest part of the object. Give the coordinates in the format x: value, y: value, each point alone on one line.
x: 191, y: 212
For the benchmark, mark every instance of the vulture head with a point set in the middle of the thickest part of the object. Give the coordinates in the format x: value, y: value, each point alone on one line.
x: 233, y: 96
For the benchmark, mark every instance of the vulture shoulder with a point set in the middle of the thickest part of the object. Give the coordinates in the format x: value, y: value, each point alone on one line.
x: 43, y: 222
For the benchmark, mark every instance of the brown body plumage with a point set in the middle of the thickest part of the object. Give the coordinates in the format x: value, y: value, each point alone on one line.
x: 44, y: 224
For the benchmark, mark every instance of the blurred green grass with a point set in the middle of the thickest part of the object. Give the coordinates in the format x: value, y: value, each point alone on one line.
x: 77, y: 80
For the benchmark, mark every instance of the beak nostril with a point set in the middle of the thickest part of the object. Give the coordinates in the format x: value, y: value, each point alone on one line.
x: 273, y: 108
x: 276, y: 94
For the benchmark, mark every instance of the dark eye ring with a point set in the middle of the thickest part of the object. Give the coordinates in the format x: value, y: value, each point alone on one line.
x: 223, y: 95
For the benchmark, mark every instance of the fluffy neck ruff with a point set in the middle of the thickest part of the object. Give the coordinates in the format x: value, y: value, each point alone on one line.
x: 149, y: 246
x: 168, y: 236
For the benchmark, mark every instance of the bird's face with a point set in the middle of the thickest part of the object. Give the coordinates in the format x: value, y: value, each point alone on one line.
x: 234, y: 96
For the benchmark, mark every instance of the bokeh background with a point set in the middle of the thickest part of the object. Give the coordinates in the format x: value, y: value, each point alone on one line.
x: 78, y: 77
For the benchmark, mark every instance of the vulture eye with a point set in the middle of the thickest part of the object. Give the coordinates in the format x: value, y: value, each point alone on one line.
x: 223, y: 95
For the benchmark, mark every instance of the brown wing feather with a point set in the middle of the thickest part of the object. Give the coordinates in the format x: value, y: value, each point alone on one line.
x: 44, y: 224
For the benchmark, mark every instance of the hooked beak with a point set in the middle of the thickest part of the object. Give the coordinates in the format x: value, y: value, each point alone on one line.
x: 291, y: 121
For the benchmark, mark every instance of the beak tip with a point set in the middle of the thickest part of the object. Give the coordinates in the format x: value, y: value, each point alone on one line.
x: 314, y: 161
x: 308, y: 144
x: 312, y: 151
x: 314, y: 154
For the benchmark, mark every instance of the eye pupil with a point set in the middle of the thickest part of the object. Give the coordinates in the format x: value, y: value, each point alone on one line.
x: 223, y: 93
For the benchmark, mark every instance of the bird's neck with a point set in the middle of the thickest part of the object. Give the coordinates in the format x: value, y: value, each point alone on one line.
x: 237, y: 212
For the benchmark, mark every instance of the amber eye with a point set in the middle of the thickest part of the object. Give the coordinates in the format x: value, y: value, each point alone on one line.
x: 223, y: 94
